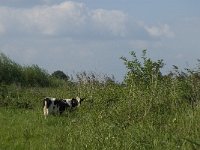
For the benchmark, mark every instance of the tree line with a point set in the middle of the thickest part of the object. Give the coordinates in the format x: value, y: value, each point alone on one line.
x: 143, y: 74
x: 143, y: 78
x: 14, y: 73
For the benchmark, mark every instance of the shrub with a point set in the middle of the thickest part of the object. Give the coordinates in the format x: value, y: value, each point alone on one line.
x: 143, y: 73
x: 35, y: 76
x: 10, y: 72
x: 60, y: 75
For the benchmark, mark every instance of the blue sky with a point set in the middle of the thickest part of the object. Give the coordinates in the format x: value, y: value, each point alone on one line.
x: 91, y: 35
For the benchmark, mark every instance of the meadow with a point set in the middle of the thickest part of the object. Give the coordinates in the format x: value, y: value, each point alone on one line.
x: 147, y: 110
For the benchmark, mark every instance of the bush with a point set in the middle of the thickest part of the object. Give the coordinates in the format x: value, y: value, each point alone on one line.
x: 145, y: 73
x: 155, y: 94
x: 35, y: 76
x: 11, y: 72
x: 60, y: 75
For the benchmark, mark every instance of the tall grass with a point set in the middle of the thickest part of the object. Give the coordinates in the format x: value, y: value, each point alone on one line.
x: 146, y: 111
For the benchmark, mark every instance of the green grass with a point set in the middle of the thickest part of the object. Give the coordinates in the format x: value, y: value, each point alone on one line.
x: 100, y: 123
x: 148, y: 111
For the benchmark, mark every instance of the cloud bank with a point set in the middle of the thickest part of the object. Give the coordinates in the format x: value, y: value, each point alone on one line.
x: 71, y: 19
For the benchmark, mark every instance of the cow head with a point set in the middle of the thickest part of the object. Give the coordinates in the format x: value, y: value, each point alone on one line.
x: 79, y: 99
x: 75, y: 102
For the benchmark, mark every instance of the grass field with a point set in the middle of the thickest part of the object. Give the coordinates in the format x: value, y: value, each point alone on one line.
x: 107, y: 121
x: 147, y: 110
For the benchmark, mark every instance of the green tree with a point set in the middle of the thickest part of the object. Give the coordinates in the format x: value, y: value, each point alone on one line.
x: 60, y: 75
x: 144, y: 73
x: 35, y: 76
x: 10, y: 72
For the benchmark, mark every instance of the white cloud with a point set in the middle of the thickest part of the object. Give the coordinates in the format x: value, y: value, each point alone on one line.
x: 114, y: 21
x: 75, y: 19
x: 65, y: 18
x: 55, y: 19
x: 163, y: 30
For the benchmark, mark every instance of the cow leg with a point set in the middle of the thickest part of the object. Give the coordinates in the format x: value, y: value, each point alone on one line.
x: 61, y: 109
x: 46, y: 112
x: 45, y: 109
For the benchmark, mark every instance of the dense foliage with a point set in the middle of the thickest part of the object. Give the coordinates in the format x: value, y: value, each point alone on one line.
x: 60, y: 75
x: 148, y: 110
x: 11, y: 72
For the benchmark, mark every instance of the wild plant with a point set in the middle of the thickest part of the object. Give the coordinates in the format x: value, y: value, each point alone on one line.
x: 143, y: 79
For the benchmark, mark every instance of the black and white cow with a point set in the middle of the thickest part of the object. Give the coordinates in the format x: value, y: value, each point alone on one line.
x: 58, y: 106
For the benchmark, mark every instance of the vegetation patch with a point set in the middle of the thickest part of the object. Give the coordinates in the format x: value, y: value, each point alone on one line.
x: 148, y: 110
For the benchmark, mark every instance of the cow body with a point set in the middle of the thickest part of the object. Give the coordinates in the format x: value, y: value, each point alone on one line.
x: 58, y: 106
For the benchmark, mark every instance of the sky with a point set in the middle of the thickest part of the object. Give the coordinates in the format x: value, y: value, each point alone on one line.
x: 92, y: 35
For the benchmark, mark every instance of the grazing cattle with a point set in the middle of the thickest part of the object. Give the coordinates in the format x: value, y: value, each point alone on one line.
x: 58, y: 106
